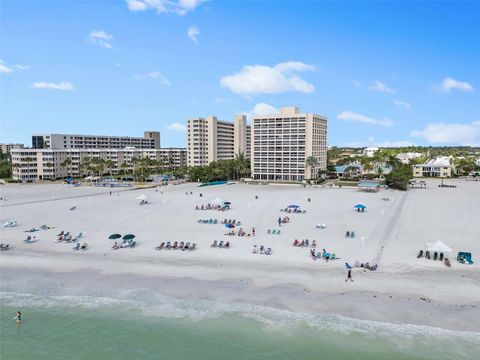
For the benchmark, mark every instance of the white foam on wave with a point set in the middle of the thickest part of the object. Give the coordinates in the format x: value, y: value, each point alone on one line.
x: 155, y: 305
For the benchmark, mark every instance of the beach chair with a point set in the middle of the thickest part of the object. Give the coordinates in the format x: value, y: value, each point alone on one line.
x: 427, y: 254
x: 269, y: 231
x: 194, y: 246
x: 5, y: 247
x: 78, y: 237
x: 420, y: 254
x: 255, y: 250
x: 214, y: 244
x: 352, y: 234
x: 175, y: 245
x: 133, y: 244
x: 307, y: 243
x: 181, y: 245
x: 84, y: 246
x: 348, y: 266
x: 28, y: 239
x: 168, y: 245
x: 262, y: 249
x: 441, y: 257
x: 215, y: 221
x: 435, y: 255
x: 76, y: 247
x: 332, y: 257
x: 220, y: 244
x: 347, y: 234
x: 319, y: 255
x: 278, y: 232
x: 295, y: 242
x: 61, y: 233
x: 227, y: 244
x: 160, y: 247
x: 268, y: 251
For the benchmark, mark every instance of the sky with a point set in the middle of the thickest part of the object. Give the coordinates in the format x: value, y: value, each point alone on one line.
x: 384, y: 73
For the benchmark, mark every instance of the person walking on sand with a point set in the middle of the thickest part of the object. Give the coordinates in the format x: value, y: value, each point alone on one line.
x: 349, y: 275
x: 18, y: 318
x: 253, y: 231
x: 279, y: 221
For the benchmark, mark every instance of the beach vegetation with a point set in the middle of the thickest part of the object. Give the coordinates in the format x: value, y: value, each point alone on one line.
x: 5, y: 165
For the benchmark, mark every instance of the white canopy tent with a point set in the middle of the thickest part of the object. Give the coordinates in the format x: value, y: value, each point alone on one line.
x: 438, y: 246
x: 141, y: 197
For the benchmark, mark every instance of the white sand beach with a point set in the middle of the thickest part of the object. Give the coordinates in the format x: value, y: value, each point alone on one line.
x: 404, y: 289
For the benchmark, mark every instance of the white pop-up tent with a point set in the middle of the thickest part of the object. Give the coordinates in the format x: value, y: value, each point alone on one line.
x: 141, y: 197
x: 438, y: 246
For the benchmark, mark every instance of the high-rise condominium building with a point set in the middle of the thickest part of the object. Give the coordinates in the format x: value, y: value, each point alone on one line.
x: 210, y: 139
x: 151, y: 140
x: 282, y: 143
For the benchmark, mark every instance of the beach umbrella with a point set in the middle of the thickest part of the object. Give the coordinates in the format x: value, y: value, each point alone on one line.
x: 227, y: 203
x: 438, y: 246
x: 360, y: 206
x: 293, y: 206
x: 229, y: 226
x: 115, y: 236
x: 128, y: 237
x: 141, y: 197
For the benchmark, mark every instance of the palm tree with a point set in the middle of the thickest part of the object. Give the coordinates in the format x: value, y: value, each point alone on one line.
x: 49, y: 165
x: 124, y: 168
x: 311, y: 162
x: 379, y: 172
x: 109, y: 164
x: 66, y: 164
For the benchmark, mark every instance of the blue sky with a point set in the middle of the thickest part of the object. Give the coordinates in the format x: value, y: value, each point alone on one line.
x: 385, y: 73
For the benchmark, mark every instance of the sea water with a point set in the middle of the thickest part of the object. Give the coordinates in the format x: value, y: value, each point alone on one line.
x: 68, y: 327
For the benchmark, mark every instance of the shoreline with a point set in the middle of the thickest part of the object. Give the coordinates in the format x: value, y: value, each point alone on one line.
x: 327, y: 295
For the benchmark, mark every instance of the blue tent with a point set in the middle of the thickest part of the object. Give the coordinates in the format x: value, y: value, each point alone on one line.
x: 293, y: 206
x: 360, y: 206
x: 229, y: 226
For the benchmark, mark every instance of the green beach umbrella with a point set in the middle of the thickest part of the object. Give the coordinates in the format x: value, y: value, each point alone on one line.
x: 129, y: 237
x: 115, y: 236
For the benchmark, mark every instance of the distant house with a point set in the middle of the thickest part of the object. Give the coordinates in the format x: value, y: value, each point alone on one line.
x: 369, y: 151
x: 438, y: 167
x: 405, y: 158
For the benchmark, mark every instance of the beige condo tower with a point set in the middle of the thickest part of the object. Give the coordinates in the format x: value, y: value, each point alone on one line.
x: 211, y: 139
x: 283, y: 142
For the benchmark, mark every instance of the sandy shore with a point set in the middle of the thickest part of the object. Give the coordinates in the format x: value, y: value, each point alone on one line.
x: 404, y: 290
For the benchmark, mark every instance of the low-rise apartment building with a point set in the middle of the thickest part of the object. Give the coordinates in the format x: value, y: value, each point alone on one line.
x: 6, y: 148
x: 441, y: 166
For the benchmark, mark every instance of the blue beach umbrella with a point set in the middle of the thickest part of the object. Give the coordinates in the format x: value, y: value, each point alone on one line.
x: 293, y: 206
x: 360, y: 206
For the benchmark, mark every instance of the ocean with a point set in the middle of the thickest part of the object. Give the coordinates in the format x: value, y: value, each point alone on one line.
x: 82, y: 327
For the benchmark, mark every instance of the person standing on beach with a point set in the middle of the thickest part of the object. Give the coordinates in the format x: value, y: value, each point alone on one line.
x: 279, y: 221
x: 18, y: 318
x: 253, y: 231
x: 349, y: 275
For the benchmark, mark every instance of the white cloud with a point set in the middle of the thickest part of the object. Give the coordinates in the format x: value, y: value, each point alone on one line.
x: 4, y: 69
x: 192, y: 33
x: 449, y: 84
x: 260, y: 109
x: 456, y: 134
x: 100, y: 38
x: 356, y: 83
x: 180, y: 7
x: 261, y: 79
x: 22, y: 67
x: 63, y: 86
x: 355, y: 117
x: 176, y: 126
x: 381, y: 87
x: 155, y: 75
x: 403, y: 104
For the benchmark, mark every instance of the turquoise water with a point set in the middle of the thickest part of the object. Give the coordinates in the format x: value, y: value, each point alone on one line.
x: 89, y: 328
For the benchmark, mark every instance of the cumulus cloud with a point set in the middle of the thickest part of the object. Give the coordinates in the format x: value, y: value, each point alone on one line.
x: 155, y: 75
x: 456, y: 134
x: 449, y: 84
x: 379, y: 86
x: 192, y: 33
x: 261, y: 109
x: 355, y: 117
x: 180, y: 7
x: 4, y: 69
x: 176, y: 126
x: 403, y: 104
x: 261, y: 79
x: 62, y: 86
x: 22, y: 67
x: 100, y: 38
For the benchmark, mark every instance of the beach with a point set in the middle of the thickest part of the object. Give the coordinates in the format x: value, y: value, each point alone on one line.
x: 406, y: 295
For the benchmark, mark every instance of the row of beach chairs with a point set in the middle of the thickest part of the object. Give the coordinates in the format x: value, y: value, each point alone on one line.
x: 261, y: 250
x: 233, y: 222
x: 322, y: 255
x: 350, y: 234
x: 220, y: 244
x: 77, y: 246
x: 435, y: 256
x: 176, y: 246
x: 273, y: 232
x: 304, y: 243
x: 67, y: 237
x: 210, y: 221
x: 295, y: 211
x: 10, y: 223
